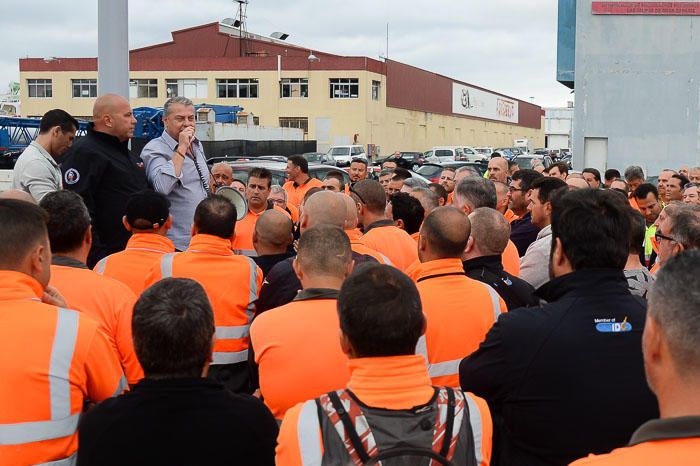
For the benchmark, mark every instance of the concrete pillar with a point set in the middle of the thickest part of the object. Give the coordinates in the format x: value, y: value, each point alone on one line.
x: 113, y: 47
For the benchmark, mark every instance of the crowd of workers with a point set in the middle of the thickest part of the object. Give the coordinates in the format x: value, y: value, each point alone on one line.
x: 526, y: 317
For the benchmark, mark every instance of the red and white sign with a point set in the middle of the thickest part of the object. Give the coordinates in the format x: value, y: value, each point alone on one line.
x: 474, y: 102
x: 647, y: 8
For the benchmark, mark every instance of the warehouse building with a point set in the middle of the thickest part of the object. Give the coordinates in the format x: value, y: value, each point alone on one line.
x: 336, y: 100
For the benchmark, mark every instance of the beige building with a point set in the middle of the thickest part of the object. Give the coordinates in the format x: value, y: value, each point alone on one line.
x: 335, y: 100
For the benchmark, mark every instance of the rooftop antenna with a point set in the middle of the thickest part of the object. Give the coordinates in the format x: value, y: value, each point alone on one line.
x: 240, y: 23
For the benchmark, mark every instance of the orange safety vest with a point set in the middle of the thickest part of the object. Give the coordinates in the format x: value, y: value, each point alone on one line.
x: 243, y: 241
x: 391, y: 383
x: 359, y: 247
x: 393, y: 242
x: 131, y: 265
x: 295, y: 192
x: 109, y: 302
x: 511, y: 259
x: 455, y: 328
x: 291, y: 370
x: 510, y: 216
x: 232, y: 283
x: 52, y: 360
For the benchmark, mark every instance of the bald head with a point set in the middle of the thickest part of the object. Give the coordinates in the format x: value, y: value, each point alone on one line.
x: 17, y: 195
x: 350, y: 212
x: 444, y: 234
x: 273, y: 232
x: 490, y: 231
x: 498, y: 169
x: 107, y: 104
x: 324, y: 208
x: 576, y: 183
x: 112, y: 115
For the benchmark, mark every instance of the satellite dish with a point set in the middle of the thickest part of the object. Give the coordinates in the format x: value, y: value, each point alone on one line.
x: 236, y: 198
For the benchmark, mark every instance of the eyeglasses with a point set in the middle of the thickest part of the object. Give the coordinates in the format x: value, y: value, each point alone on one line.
x: 658, y: 237
x: 512, y: 189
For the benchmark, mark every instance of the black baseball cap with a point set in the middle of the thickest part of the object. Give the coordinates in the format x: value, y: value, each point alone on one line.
x: 147, y: 208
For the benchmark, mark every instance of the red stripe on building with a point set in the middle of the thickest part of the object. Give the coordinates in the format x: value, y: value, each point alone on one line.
x: 646, y: 8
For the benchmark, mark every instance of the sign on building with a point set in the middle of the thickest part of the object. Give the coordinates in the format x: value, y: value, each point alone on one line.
x: 474, y: 102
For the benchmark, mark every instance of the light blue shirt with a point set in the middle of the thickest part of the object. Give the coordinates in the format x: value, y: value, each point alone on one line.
x: 184, y: 192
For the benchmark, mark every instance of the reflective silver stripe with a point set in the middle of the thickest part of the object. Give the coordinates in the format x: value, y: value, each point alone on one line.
x: 70, y: 461
x: 166, y: 265
x: 440, y: 369
x: 495, y: 302
x: 307, y: 434
x: 246, y: 252
x: 477, y: 427
x: 385, y: 259
x: 225, y: 357
x: 121, y: 386
x: 28, y: 432
x: 59, y: 367
x: 100, y: 267
x: 232, y: 333
x: 422, y: 349
x: 253, y: 281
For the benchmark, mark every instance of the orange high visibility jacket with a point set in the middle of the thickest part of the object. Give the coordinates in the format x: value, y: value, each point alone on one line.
x: 511, y: 259
x: 359, y: 247
x: 131, y: 265
x: 297, y: 349
x: 243, y: 241
x: 510, y: 215
x: 392, y: 383
x: 109, y: 302
x: 393, y: 242
x: 295, y: 192
x: 459, y: 311
x: 232, y: 283
x: 52, y: 360
x: 659, y: 442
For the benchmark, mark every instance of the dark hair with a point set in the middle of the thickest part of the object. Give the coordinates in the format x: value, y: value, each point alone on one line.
x: 593, y: 227
x: 401, y: 174
x: 371, y: 194
x: 611, y: 173
x: 262, y: 173
x: 643, y: 191
x: 684, y: 181
x: 324, y: 249
x: 359, y: 160
x: 215, y: 216
x: 146, y: 208
x: 638, y: 229
x: 409, y: 209
x: 380, y: 311
x: 511, y: 164
x: 563, y: 167
x: 439, y: 190
x: 336, y: 175
x: 478, y: 192
x: 173, y: 327
x: 592, y: 171
x: 634, y: 172
x: 526, y: 177
x: 386, y: 172
x: 60, y: 118
x: 548, y: 187
x: 674, y: 301
x: 69, y: 220
x: 23, y: 228
x: 447, y: 231
x: 299, y: 161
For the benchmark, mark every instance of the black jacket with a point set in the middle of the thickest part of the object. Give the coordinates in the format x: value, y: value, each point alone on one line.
x: 268, y: 261
x: 523, y: 233
x: 565, y: 379
x: 181, y: 421
x: 514, y: 291
x: 100, y: 168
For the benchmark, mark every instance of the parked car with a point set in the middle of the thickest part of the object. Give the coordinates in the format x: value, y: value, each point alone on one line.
x: 432, y: 171
x: 525, y: 161
x: 485, y: 151
x: 444, y: 153
x: 470, y: 154
x: 505, y: 152
x: 319, y: 157
x: 343, y: 155
x: 407, y: 160
x: 278, y: 169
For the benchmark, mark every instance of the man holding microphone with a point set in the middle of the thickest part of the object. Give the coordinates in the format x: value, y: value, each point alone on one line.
x: 176, y: 166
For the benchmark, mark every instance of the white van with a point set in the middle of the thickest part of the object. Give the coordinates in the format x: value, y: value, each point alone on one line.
x: 445, y: 153
x: 343, y: 155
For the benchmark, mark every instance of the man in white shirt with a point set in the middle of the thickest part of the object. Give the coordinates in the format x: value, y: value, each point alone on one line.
x: 36, y: 171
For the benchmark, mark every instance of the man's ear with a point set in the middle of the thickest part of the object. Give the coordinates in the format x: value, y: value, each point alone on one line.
x: 297, y: 268
x: 470, y: 245
x: 88, y: 237
x: 349, y: 269
x: 126, y: 224
x: 399, y: 223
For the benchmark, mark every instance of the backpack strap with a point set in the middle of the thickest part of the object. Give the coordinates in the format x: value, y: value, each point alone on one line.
x: 451, y: 408
x: 351, y: 425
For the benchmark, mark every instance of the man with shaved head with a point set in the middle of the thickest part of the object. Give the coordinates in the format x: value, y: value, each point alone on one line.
x: 454, y: 330
x: 105, y: 173
x: 18, y: 195
x: 272, y: 236
x: 281, y: 283
x: 575, y: 182
x: 482, y: 261
x: 498, y: 169
x: 354, y: 233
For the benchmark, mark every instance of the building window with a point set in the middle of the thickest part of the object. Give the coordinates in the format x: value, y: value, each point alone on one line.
x: 294, y: 87
x: 190, y: 88
x: 143, y: 88
x: 376, y: 86
x: 39, y: 88
x: 237, y: 88
x: 345, y: 88
x: 295, y: 122
x: 84, y: 88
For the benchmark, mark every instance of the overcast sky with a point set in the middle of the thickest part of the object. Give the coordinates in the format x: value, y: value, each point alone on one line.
x: 505, y: 45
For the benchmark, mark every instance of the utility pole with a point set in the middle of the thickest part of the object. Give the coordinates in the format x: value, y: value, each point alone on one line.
x: 113, y: 47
